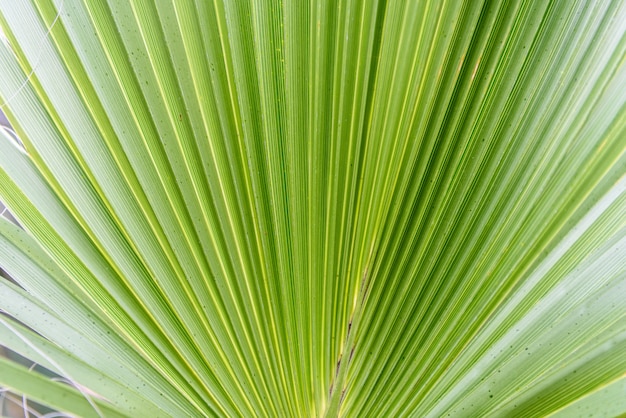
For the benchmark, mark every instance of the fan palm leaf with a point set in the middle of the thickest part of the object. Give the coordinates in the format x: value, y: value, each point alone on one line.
x: 264, y: 208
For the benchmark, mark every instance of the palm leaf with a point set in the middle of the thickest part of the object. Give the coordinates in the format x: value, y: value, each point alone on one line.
x: 317, y: 208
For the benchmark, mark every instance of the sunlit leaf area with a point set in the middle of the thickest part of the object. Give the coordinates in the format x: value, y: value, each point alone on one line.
x: 313, y: 208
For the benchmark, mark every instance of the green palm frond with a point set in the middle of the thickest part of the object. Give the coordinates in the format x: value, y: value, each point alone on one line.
x: 324, y: 208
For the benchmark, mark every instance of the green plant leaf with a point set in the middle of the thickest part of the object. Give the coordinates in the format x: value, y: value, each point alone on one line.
x: 53, y: 393
x: 263, y: 208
